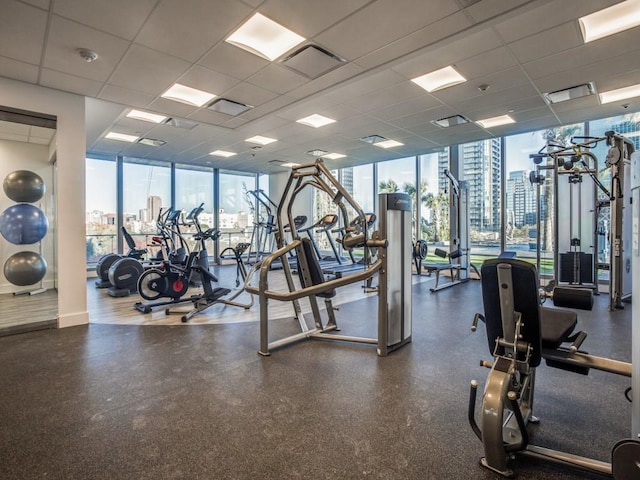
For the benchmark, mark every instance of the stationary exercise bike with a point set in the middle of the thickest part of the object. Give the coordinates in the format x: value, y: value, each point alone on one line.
x: 520, y: 334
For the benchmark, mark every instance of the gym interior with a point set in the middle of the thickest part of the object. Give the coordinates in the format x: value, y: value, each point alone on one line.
x: 347, y: 254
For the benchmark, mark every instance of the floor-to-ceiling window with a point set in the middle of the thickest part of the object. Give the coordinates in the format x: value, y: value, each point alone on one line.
x: 399, y: 176
x: 236, y: 218
x: 434, y: 197
x: 480, y: 167
x: 193, y: 187
x: 146, y: 192
x: 101, y: 208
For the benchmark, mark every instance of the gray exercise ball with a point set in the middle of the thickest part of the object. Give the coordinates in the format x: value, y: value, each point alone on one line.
x: 24, y: 186
x: 25, y: 268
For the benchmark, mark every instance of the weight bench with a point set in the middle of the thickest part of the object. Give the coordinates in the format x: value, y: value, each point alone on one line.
x: 437, y: 267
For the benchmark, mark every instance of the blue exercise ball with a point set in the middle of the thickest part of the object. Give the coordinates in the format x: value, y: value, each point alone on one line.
x: 25, y: 268
x: 23, y: 224
x: 24, y: 186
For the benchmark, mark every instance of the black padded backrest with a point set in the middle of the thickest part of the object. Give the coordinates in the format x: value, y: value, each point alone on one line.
x: 315, y: 270
x: 128, y: 239
x: 525, y: 298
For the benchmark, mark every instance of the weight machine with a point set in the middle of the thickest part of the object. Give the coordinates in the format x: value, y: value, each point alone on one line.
x: 458, y: 263
x: 393, y: 265
x: 576, y: 268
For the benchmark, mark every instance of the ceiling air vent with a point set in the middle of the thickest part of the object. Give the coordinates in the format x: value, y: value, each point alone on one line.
x: 312, y: 61
x: 450, y: 121
x: 229, y: 107
x: 570, y: 93
x: 181, y: 123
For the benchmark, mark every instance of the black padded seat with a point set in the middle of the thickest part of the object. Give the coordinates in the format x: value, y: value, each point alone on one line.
x: 315, y: 270
x: 556, y: 326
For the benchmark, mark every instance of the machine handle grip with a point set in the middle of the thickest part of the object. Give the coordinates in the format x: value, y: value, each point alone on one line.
x: 474, y: 325
x: 377, y: 243
x: 577, y: 342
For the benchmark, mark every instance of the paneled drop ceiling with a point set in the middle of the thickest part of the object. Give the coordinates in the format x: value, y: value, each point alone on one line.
x: 510, y: 52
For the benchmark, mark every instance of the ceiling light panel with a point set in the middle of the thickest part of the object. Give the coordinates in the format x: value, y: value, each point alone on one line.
x: 495, y: 121
x: 260, y: 140
x: 188, y: 95
x: 443, y: 78
x: 290, y: 165
x: 615, y: 19
x: 222, y: 153
x: 146, y: 116
x: 121, y: 137
x: 334, y: 156
x: 620, y: 94
x: 316, y: 121
x: 388, y: 144
x: 264, y: 37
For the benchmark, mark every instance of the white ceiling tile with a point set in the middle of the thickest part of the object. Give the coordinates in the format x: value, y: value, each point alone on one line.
x: 546, y: 15
x: 307, y: 18
x: 277, y: 79
x: 487, y: 63
x: 17, y: 70
x: 22, y: 29
x: 469, y: 90
x: 498, y: 103
x: 249, y: 94
x: 207, y: 80
x: 208, y: 116
x: 44, y: 4
x: 124, y: 96
x: 147, y: 70
x: 171, y: 108
x: 233, y: 61
x: 382, y: 23
x: 194, y: 25
x: 386, y: 97
x: 422, y: 117
x: 552, y: 41
x: 424, y: 37
x: 107, y: 16
x: 409, y: 107
x: 335, y: 77
x: 487, y: 9
x: 449, y: 52
x: 66, y: 37
x: 70, y: 83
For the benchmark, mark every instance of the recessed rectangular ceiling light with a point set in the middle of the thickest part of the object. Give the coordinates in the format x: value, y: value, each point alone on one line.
x: 122, y: 137
x: 146, y: 116
x: 495, y: 121
x: 264, y: 37
x: 570, y: 93
x: 188, y: 95
x: 316, y: 120
x: 443, y: 78
x: 317, y: 152
x: 333, y: 156
x: 222, y: 153
x: 152, y: 142
x: 620, y: 94
x: 450, y: 121
x: 615, y: 19
x: 388, y: 144
x: 290, y: 165
x: 260, y: 140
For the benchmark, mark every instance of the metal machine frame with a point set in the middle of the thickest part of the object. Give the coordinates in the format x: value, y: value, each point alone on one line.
x: 393, y: 265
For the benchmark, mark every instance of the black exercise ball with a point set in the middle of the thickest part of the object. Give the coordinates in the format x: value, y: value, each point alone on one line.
x: 25, y: 268
x: 23, y: 224
x: 24, y: 186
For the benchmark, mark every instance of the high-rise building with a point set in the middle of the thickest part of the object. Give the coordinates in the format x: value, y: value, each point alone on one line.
x: 481, y: 171
x: 520, y: 199
x: 154, y: 205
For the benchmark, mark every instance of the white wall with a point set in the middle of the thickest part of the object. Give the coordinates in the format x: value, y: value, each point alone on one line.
x: 28, y: 156
x: 70, y: 194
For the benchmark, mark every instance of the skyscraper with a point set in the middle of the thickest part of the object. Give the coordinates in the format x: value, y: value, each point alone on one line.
x: 481, y: 171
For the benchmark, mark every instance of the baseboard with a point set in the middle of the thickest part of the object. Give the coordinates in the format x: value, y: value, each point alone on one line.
x: 73, y: 319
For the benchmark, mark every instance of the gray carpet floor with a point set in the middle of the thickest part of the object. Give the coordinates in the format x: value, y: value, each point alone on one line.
x: 197, y: 402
